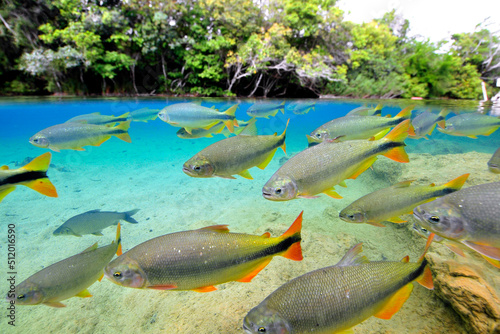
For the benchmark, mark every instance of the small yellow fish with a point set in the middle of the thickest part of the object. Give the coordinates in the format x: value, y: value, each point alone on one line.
x: 73, y: 136
x: 32, y: 175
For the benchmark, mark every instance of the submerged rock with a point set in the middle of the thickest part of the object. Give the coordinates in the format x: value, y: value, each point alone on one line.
x: 463, y: 286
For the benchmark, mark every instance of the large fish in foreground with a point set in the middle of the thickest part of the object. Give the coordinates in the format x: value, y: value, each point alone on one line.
x: 389, y: 203
x: 93, y: 222
x: 319, y: 168
x: 471, y: 125
x: 32, y: 175
x: 73, y: 136
x: 192, y: 116
x: 334, y: 299
x: 197, y: 260
x: 494, y: 162
x: 470, y: 216
x: 234, y: 156
x: 67, y: 278
x: 359, y: 127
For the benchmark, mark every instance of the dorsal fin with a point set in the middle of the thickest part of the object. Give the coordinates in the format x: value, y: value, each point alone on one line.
x: 216, y: 228
x: 353, y: 257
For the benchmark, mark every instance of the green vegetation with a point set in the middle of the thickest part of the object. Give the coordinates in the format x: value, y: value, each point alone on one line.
x: 231, y: 47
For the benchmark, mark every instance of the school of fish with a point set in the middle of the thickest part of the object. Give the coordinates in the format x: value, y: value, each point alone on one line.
x: 326, y: 300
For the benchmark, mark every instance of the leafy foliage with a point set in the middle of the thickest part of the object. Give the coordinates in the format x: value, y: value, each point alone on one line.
x: 231, y: 47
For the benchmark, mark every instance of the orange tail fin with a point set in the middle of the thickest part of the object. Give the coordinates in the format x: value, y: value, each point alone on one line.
x: 457, y: 183
x: 294, y: 252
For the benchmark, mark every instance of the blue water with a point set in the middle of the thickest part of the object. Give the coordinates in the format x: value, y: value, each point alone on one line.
x: 147, y: 174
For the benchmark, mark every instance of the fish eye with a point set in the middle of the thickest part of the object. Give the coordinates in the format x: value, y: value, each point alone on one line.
x: 318, y: 135
x: 277, y: 191
x: 350, y: 216
x: 20, y: 297
x: 434, y: 219
x: 423, y: 230
x: 117, y: 274
x: 36, y: 140
x: 262, y: 330
x: 197, y: 168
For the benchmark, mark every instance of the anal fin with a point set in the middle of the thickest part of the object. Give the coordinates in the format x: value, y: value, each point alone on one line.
x: 266, y: 162
x: 395, y: 303
x: 209, y: 288
x: 83, y: 294
x: 255, y: 271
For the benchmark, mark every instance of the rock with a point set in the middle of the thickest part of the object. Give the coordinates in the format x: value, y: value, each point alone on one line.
x: 471, y: 296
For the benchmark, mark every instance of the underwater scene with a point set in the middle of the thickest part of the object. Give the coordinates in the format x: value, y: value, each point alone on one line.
x: 249, y: 216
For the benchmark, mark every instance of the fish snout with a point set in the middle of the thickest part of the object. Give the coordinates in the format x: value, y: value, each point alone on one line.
x: 127, y: 274
x: 39, y: 141
x: 163, y: 115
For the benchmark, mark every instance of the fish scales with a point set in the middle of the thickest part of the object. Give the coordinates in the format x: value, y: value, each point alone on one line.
x: 240, y: 152
x: 330, y: 163
x: 199, y: 258
x: 336, y: 298
x: 477, y: 210
x: 494, y: 162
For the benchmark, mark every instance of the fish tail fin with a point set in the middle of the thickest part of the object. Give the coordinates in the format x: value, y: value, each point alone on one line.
x: 411, y: 131
x: 283, y: 135
x: 405, y: 113
x: 425, y: 279
x: 118, y: 240
x: 231, y: 111
x: 282, y: 107
x: 124, y: 126
x: 294, y: 252
x: 229, y: 125
x: 400, y: 132
x: 5, y: 192
x: 125, y: 115
x: 39, y: 164
x: 398, y: 135
x: 128, y: 216
x: 444, y: 113
x: 457, y: 183
x: 43, y: 186
x: 378, y: 110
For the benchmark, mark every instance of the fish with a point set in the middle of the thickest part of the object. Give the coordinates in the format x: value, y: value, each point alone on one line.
x: 73, y: 136
x: 32, y: 175
x: 389, y: 203
x: 67, y: 278
x: 424, y: 123
x: 200, y: 259
x: 218, y: 128
x: 301, y: 107
x: 143, y: 115
x: 471, y: 125
x: 366, y: 111
x: 470, y: 216
x: 235, y: 155
x: 192, y: 116
x: 336, y: 298
x: 93, y: 222
x: 98, y: 119
x: 319, y: 168
x: 359, y: 127
x: 265, y: 109
x: 494, y: 162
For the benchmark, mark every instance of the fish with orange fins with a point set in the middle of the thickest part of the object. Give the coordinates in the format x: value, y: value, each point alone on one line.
x: 32, y: 175
x: 73, y: 136
x: 470, y: 216
x: 193, y: 116
x: 200, y: 259
x: 235, y: 155
x: 67, y: 278
x: 336, y: 298
x: 389, y: 203
x: 425, y: 123
x: 319, y: 168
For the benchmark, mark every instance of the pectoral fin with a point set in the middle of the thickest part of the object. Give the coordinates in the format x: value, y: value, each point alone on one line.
x: 332, y: 194
x: 395, y: 303
x: 163, y: 287
x: 266, y: 162
x: 486, y: 250
x: 363, y: 167
x: 245, y: 174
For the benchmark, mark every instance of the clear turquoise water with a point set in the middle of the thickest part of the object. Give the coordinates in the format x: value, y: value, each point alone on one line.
x: 147, y: 174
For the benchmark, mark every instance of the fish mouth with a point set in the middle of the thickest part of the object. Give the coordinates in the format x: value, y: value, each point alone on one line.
x: 419, y: 213
x: 267, y: 195
x: 187, y: 171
